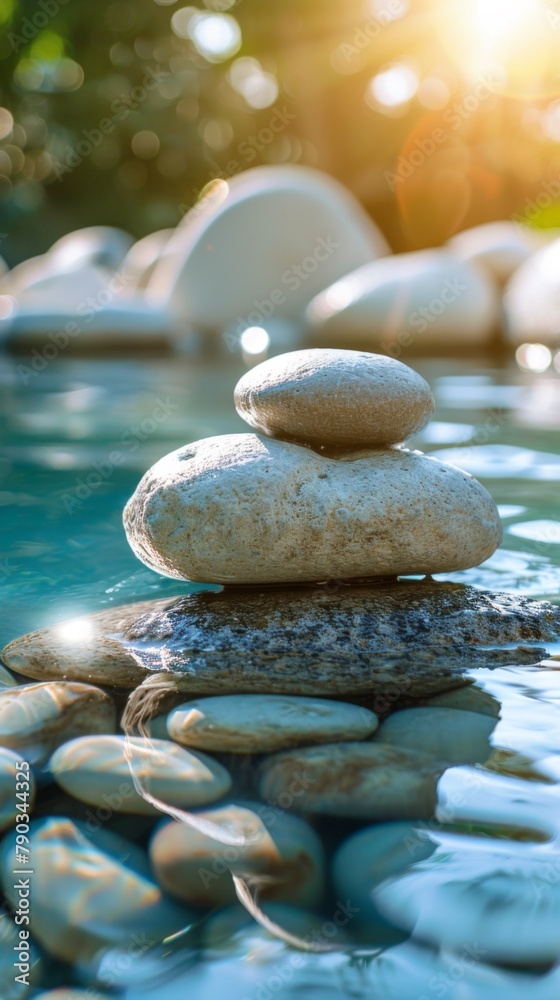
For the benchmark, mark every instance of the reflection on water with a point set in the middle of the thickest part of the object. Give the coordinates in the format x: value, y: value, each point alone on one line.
x: 79, y: 434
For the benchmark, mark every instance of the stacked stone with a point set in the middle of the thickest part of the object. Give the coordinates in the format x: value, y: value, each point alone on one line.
x: 327, y: 493
x: 291, y: 680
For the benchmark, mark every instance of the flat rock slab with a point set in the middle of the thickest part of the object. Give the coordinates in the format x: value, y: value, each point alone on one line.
x: 408, y: 639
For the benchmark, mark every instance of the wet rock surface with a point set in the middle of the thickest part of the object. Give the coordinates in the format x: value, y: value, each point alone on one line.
x: 409, y: 638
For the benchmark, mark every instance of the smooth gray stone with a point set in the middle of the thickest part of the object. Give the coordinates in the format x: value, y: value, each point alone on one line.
x: 370, y: 856
x: 35, y: 719
x: 101, y: 770
x: 338, y: 398
x: 279, y: 852
x: 410, y: 639
x: 259, y: 723
x: 470, y: 698
x: 84, y: 899
x: 358, y: 780
x: 447, y: 734
x: 239, y: 509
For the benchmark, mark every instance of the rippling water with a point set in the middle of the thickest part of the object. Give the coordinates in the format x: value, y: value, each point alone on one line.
x: 78, y: 437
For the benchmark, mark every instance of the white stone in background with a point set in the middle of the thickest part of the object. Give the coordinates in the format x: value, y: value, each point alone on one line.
x: 105, y: 246
x: 25, y: 273
x: 263, y: 243
x: 85, y: 898
x: 283, y: 849
x: 36, y: 718
x: 532, y: 299
x: 95, y: 769
x: 498, y: 247
x: 506, y: 903
x: 427, y: 299
x: 10, y: 776
x: 329, y: 397
x: 447, y: 734
x: 370, y: 856
x: 358, y: 780
x: 256, y: 723
x: 141, y: 259
x: 70, y: 288
x: 10, y: 989
x: 241, y: 509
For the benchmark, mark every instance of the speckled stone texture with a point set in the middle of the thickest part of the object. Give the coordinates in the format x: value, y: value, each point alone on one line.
x: 241, y: 509
x: 339, y: 398
x: 392, y: 640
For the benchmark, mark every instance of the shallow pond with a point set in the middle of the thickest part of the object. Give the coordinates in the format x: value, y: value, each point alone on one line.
x: 79, y: 434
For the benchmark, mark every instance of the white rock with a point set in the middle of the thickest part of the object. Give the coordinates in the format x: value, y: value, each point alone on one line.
x: 360, y: 780
x: 36, y: 718
x: 506, y: 903
x: 241, y: 509
x: 427, y: 299
x: 282, y: 849
x: 341, y: 398
x: 13, y: 771
x: 255, y: 723
x: 141, y: 259
x: 532, y: 299
x: 84, y: 897
x: 102, y: 245
x: 72, y: 287
x: 262, y: 243
x: 448, y: 734
x: 498, y: 247
x: 96, y: 769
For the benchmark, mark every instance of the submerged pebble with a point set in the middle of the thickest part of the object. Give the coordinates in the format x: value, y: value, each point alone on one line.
x: 251, y: 723
x: 507, y: 903
x: 282, y: 852
x: 469, y: 698
x: 375, y: 853
x: 447, y: 734
x: 83, y: 897
x: 37, y: 718
x: 358, y: 780
x: 97, y: 770
x: 337, y: 398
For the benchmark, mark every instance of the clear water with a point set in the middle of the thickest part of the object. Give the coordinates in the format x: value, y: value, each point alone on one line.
x: 79, y: 434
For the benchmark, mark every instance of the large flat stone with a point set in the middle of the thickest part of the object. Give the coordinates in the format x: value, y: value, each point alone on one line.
x: 391, y: 641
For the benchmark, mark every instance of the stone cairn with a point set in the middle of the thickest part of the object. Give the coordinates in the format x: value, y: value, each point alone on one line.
x: 275, y: 695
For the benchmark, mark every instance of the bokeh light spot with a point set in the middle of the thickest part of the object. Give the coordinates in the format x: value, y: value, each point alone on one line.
x: 255, y: 340
x: 533, y: 357
x: 6, y: 123
x: 216, y: 36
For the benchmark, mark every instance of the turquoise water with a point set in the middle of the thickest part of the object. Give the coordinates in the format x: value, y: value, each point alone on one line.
x: 77, y: 437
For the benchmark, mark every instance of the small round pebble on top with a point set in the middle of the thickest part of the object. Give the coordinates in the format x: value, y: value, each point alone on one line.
x: 336, y: 398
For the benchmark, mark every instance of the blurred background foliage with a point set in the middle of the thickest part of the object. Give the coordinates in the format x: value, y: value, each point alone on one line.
x: 438, y: 114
